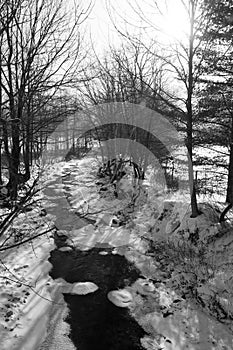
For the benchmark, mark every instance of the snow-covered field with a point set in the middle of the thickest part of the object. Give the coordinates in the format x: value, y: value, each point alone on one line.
x: 186, y: 290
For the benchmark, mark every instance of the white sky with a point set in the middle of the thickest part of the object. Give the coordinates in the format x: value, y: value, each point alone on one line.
x: 102, y: 29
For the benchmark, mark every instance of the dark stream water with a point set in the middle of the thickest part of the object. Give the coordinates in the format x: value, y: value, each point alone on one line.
x: 96, y: 323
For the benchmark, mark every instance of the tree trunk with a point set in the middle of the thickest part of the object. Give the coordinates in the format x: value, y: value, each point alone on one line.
x: 229, y: 196
x: 224, y: 213
x: 27, y: 145
x: 1, y: 125
x: 14, y: 162
x: 194, y: 207
x: 192, y: 187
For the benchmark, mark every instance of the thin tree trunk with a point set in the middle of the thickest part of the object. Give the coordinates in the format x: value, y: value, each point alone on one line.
x: 194, y: 207
x: 224, y: 213
x: 229, y: 196
x: 14, y: 162
x: 1, y: 182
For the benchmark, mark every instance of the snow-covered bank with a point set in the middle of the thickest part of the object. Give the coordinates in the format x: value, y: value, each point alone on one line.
x: 26, y: 295
x: 188, y: 325
x: 31, y: 303
x: 187, y: 261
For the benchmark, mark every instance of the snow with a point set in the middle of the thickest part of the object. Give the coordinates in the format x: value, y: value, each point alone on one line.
x: 162, y: 302
x: 121, y: 298
x: 65, y: 249
x: 26, y: 294
x: 80, y: 288
x: 29, y: 298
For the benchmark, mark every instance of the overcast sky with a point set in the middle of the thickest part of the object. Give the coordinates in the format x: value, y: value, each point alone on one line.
x: 102, y: 29
x: 100, y: 25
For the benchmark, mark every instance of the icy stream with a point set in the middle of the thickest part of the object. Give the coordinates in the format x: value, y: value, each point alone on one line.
x: 95, y: 322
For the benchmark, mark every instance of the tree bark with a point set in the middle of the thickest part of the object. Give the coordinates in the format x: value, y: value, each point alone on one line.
x: 194, y: 207
x: 229, y: 196
x: 14, y: 162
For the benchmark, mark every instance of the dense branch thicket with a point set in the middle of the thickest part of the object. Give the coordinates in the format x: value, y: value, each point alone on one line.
x: 40, y: 57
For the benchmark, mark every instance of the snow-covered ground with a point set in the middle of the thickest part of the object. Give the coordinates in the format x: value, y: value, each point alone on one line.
x: 211, y: 174
x: 186, y: 289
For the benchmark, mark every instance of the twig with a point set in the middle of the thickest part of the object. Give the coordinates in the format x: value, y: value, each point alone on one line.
x: 28, y: 240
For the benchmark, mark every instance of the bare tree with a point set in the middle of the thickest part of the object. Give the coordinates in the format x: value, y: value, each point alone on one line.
x: 41, y: 55
x: 128, y: 73
x: 182, y: 63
